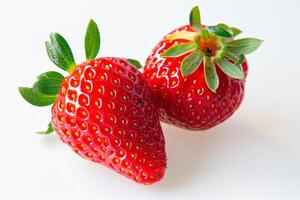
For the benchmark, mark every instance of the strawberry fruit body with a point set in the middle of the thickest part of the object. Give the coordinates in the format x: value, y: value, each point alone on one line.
x: 197, y: 73
x: 103, y: 110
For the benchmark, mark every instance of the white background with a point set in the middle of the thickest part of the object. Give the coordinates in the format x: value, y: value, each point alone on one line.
x: 253, y: 155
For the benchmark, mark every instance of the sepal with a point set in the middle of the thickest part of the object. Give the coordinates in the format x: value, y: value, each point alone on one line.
x: 48, y: 131
x: 92, y: 41
x: 48, y: 83
x: 44, y: 91
x: 179, y: 50
x: 235, y: 31
x: 243, y: 46
x: 210, y: 74
x: 36, y: 98
x: 60, y: 52
x: 221, y: 30
x: 195, y: 18
x: 134, y: 62
x: 191, y: 63
x: 230, y: 69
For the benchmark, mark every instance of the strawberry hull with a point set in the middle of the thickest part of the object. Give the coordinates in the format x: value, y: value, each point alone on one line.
x: 105, y: 112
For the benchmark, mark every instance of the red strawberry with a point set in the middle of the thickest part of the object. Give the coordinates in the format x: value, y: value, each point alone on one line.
x: 103, y: 110
x: 197, y: 73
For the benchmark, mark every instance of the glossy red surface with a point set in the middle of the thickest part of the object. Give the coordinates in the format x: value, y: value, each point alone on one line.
x: 105, y: 112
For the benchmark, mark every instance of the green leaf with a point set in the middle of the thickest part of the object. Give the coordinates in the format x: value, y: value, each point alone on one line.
x: 48, y: 131
x: 36, y: 98
x: 231, y: 56
x: 242, y: 59
x: 221, y: 30
x: 48, y: 83
x: 243, y: 46
x: 235, y: 31
x: 60, y: 52
x: 205, y: 33
x: 210, y: 74
x: 92, y: 40
x: 179, y: 50
x: 232, y: 70
x: 51, y: 75
x: 191, y: 62
x: 225, y: 27
x: 195, y: 18
x: 134, y: 62
x: 59, y: 42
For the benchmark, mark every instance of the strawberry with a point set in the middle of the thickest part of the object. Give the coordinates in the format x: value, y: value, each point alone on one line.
x: 103, y: 109
x: 197, y: 73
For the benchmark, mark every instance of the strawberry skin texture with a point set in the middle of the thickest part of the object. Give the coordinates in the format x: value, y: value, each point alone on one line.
x: 187, y: 102
x: 105, y: 112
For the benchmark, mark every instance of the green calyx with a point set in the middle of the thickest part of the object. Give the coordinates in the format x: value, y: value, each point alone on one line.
x: 61, y: 54
x: 45, y: 90
x: 214, y: 46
